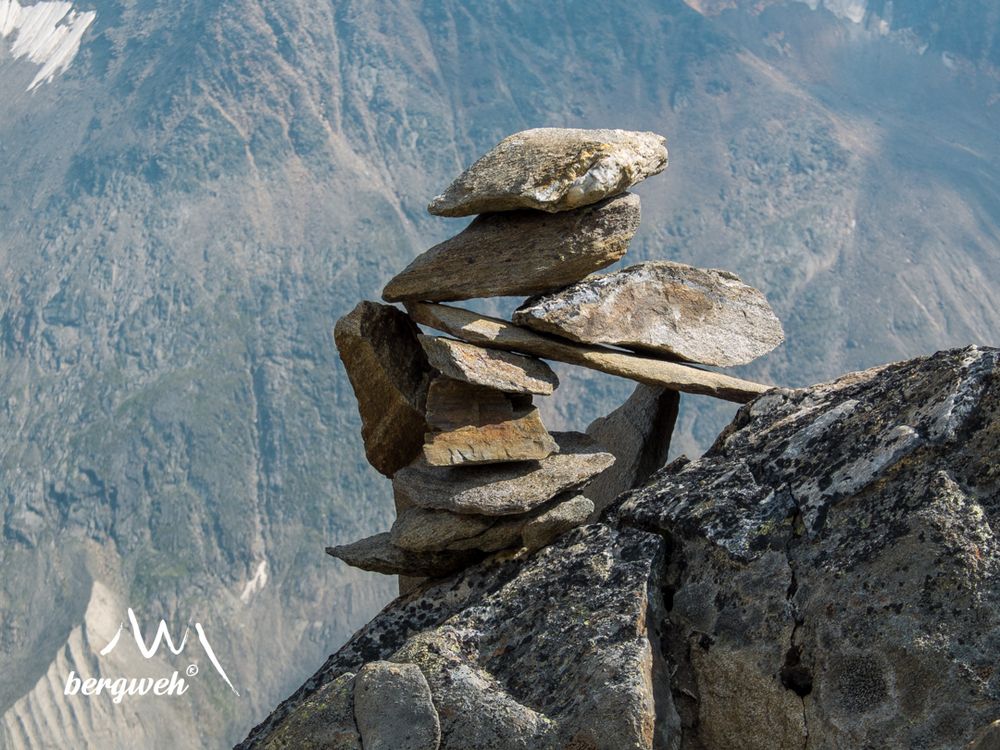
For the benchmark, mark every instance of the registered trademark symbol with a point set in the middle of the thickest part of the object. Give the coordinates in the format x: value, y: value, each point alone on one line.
x: 192, y: 670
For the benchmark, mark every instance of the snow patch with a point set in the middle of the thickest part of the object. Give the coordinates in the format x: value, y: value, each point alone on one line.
x: 47, y: 33
x: 256, y: 583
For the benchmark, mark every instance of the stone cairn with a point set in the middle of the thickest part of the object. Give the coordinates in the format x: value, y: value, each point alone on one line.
x: 451, y: 420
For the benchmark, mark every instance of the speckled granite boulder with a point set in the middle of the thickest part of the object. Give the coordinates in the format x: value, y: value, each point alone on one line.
x: 827, y: 576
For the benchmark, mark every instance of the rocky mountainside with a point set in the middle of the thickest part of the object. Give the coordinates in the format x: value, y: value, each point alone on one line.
x: 201, y: 188
x: 825, y: 576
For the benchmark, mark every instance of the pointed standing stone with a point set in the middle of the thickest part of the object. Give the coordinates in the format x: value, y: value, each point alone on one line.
x: 699, y: 315
x: 389, y: 373
x: 553, y: 169
x: 520, y: 253
x: 490, y: 368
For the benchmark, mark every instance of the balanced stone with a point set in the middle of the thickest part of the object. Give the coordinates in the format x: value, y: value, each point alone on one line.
x: 638, y: 435
x: 477, y: 425
x: 553, y: 169
x: 520, y: 253
x: 378, y: 554
x: 490, y: 368
x: 503, y: 489
x: 423, y: 530
x: 487, y: 331
x: 389, y: 373
x: 393, y: 708
x: 699, y: 315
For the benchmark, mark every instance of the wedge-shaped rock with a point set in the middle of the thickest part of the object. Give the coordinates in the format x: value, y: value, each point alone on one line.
x: 423, y: 530
x: 638, y: 435
x: 503, y: 489
x: 490, y: 368
x: 487, y: 331
x: 553, y: 169
x: 477, y: 425
x: 698, y: 315
x: 389, y: 373
x: 520, y: 253
x: 379, y: 555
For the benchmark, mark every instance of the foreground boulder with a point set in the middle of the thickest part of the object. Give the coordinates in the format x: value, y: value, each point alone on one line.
x: 827, y: 576
x: 553, y: 169
x: 695, y: 314
x: 519, y: 253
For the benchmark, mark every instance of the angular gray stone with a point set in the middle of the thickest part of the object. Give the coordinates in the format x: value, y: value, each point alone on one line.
x: 520, y: 253
x: 487, y: 331
x: 637, y: 434
x: 389, y: 374
x: 503, y: 489
x: 423, y: 530
x: 490, y: 368
x: 378, y: 554
x: 325, y: 721
x: 393, y: 708
x: 553, y: 169
x: 698, y: 315
x: 476, y: 425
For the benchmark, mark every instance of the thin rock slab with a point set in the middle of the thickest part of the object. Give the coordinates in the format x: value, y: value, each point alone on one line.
x: 699, y: 315
x: 389, y: 373
x: 520, y: 253
x: 638, y: 435
x: 423, y: 530
x: 553, y: 169
x: 379, y: 555
x: 503, y: 489
x: 487, y: 331
x: 490, y: 368
x: 393, y: 708
x: 477, y: 425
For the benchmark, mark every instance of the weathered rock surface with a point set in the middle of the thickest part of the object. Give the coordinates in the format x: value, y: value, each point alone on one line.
x: 830, y: 579
x: 553, y: 169
x: 637, y: 434
x: 324, y: 721
x: 699, y: 315
x: 423, y: 530
x: 393, y: 708
x: 490, y: 368
x: 520, y: 253
x: 549, y: 651
x: 835, y: 579
x: 476, y: 425
x: 487, y: 331
x: 389, y: 373
x: 503, y: 489
x: 378, y: 554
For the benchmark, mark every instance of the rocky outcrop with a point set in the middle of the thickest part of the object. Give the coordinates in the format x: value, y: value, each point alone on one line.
x: 826, y: 576
x: 553, y: 169
x: 698, y: 315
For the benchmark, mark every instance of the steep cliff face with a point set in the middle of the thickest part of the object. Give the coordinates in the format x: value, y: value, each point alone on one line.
x: 826, y: 576
x: 186, y: 209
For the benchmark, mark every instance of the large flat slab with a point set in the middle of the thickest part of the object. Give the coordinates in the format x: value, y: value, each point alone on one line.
x: 520, y: 253
x: 553, y: 169
x: 695, y: 314
x: 503, y: 489
x: 487, y: 331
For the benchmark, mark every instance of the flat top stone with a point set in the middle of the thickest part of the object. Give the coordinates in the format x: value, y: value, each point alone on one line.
x: 520, y: 253
x: 503, y: 489
x: 490, y: 368
x: 553, y: 169
x: 700, y: 315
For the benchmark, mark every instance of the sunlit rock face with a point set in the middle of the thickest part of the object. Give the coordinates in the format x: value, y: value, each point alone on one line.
x: 48, y: 34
